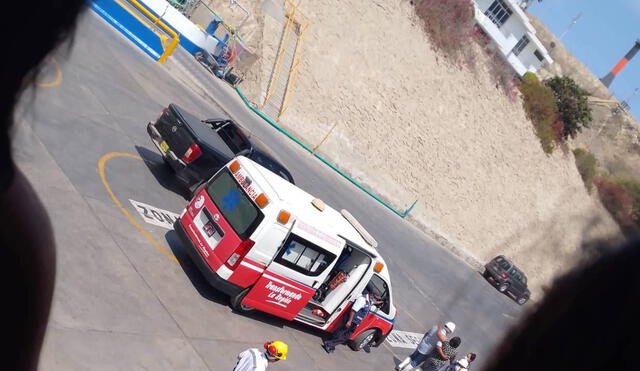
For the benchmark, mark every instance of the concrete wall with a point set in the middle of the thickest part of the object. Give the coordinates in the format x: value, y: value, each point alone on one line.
x: 528, y: 59
x: 132, y: 28
x: 191, y: 37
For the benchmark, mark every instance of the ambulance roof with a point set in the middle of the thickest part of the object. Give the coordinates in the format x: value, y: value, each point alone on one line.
x: 298, y: 203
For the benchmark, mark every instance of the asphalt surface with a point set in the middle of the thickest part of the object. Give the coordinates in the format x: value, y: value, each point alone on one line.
x: 127, y: 297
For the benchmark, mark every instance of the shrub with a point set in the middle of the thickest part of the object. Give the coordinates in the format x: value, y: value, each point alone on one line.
x: 558, y: 131
x: 540, y: 105
x: 617, y: 201
x: 449, y: 24
x: 632, y: 186
x: 586, y: 163
x: 530, y: 78
x: 572, y: 103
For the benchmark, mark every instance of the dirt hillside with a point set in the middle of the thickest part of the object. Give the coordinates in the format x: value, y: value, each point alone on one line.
x: 411, y: 125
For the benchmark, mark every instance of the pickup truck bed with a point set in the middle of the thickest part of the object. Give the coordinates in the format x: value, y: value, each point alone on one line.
x: 196, y: 149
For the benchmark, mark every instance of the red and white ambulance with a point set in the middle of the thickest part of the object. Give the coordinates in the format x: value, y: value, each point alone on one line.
x: 275, y: 248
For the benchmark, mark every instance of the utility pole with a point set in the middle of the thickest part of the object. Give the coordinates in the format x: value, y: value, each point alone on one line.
x: 573, y: 22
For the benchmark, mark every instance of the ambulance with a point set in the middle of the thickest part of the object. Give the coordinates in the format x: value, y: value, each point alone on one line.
x: 274, y: 248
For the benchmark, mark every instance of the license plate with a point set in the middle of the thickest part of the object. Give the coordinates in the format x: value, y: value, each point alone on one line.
x: 164, y: 146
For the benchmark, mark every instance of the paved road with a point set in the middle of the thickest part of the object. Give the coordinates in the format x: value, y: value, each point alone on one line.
x: 122, y: 300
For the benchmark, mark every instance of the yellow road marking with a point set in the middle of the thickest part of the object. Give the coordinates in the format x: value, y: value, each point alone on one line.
x: 101, y: 165
x: 152, y: 26
x: 391, y: 350
x: 57, y: 80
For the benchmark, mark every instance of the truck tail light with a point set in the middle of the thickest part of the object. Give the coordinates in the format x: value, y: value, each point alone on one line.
x: 192, y: 153
x: 504, y: 275
x: 240, y: 252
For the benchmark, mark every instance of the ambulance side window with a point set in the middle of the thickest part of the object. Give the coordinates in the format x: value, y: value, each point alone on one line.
x: 303, y: 256
x: 378, y: 286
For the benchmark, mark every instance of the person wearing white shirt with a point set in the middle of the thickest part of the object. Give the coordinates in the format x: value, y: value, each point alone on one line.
x: 253, y: 359
x: 359, y: 310
x: 427, y: 345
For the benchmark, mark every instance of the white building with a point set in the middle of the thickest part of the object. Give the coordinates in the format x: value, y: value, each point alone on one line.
x: 509, y: 27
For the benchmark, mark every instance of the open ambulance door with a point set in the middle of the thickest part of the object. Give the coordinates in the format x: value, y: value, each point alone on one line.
x: 299, y: 267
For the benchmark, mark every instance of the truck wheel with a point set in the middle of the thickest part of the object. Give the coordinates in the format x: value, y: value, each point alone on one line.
x: 523, y: 299
x: 236, y: 302
x: 165, y: 162
x: 367, y: 337
x: 503, y: 287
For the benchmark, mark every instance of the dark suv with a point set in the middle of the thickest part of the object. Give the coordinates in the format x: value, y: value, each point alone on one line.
x: 504, y: 275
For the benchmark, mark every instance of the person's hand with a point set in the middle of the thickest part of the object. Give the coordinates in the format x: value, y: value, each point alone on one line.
x: 348, y: 324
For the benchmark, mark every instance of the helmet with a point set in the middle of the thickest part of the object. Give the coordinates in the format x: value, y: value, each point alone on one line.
x: 277, y: 349
x: 450, y: 326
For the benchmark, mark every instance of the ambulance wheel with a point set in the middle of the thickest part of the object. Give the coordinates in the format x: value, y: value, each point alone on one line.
x: 367, y: 337
x: 236, y: 302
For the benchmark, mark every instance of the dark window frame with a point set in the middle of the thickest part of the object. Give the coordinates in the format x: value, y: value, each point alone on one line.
x: 499, y: 12
x: 386, y: 307
x: 522, y: 43
x: 538, y: 55
x: 234, y: 137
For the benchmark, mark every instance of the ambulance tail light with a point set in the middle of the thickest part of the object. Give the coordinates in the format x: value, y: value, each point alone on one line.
x: 243, y: 248
x: 192, y: 153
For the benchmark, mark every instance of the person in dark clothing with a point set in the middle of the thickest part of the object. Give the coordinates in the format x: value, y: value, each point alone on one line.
x: 34, y: 28
x: 435, y: 362
x: 361, y: 306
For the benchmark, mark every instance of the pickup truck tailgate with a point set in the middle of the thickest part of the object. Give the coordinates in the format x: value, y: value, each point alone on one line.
x: 174, y: 132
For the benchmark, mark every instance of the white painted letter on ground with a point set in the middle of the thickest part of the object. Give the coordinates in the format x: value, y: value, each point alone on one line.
x: 404, y: 339
x: 154, y: 215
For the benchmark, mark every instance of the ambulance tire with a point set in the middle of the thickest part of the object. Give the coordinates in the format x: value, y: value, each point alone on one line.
x: 366, y: 337
x: 237, y: 300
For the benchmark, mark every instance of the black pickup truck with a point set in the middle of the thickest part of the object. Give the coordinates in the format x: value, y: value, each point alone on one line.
x: 195, y: 149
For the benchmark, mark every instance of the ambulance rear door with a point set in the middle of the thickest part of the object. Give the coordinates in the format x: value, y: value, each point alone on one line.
x: 299, y: 267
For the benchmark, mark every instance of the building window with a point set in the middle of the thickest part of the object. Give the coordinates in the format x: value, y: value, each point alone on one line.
x: 539, y: 55
x: 498, y: 12
x: 524, y: 41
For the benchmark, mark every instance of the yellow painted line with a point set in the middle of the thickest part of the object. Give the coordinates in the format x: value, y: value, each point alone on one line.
x: 57, y: 81
x: 391, y: 350
x: 101, y: 165
x: 137, y: 16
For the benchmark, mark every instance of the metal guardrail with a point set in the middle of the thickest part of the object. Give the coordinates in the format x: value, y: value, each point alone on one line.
x: 157, y: 21
x: 401, y: 214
